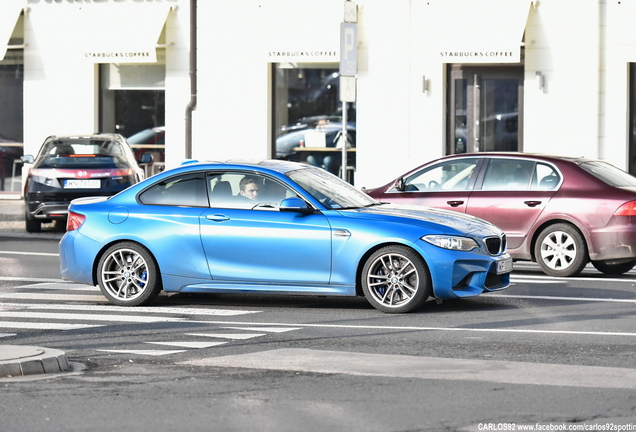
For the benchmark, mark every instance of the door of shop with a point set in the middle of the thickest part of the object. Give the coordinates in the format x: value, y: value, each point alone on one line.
x: 485, y: 109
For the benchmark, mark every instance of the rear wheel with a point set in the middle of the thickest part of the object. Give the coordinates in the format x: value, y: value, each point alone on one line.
x: 560, y: 250
x: 610, y: 268
x: 128, y: 275
x: 395, y: 279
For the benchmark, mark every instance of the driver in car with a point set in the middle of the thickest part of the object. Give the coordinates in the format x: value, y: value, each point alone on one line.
x: 249, y: 188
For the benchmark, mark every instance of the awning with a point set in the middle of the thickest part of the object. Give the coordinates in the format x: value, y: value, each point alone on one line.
x: 121, y: 32
x: 11, y: 10
x: 104, y: 32
x: 484, y: 31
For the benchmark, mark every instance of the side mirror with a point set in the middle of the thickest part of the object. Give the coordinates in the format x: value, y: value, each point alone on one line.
x: 27, y: 159
x: 399, y: 185
x: 295, y: 205
x: 146, y: 158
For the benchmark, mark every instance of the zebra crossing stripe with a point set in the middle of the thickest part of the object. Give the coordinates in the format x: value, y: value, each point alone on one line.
x: 266, y: 329
x: 88, y: 317
x: 52, y: 297
x: 145, y: 352
x: 190, y: 344
x: 45, y: 325
x: 228, y: 335
x: 141, y: 309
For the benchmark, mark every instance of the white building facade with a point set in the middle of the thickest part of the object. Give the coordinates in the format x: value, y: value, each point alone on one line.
x: 434, y: 77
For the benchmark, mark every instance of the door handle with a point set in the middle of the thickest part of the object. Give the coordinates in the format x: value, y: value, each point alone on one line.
x: 217, y: 218
x: 454, y: 203
x: 532, y: 203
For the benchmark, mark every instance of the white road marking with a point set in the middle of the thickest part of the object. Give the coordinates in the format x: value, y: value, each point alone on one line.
x: 60, y: 286
x: 535, y: 281
x: 145, y: 352
x: 265, y: 329
x: 228, y: 336
x: 53, y: 297
x: 45, y: 326
x: 88, y: 317
x: 410, y: 328
x: 574, y: 278
x: 30, y: 279
x: 7, y: 334
x: 190, y: 344
x: 137, y: 309
x: 582, y: 299
x: 363, y: 364
x: 29, y: 253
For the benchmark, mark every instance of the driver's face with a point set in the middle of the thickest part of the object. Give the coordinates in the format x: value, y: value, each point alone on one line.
x: 250, y: 191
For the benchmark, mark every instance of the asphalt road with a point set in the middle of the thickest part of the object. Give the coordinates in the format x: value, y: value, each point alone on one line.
x: 547, y: 353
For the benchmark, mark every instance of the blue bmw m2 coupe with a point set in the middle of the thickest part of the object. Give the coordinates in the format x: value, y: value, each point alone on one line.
x: 276, y: 227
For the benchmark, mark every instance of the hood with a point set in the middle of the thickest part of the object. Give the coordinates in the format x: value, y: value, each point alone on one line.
x: 445, y: 221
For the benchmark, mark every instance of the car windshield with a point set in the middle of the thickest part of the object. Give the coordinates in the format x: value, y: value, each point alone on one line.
x: 82, y: 153
x: 609, y: 174
x: 331, y: 191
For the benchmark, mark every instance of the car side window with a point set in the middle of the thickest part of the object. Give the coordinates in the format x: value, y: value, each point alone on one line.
x: 185, y: 191
x: 547, y: 178
x: 451, y: 175
x: 509, y: 174
x: 244, y: 190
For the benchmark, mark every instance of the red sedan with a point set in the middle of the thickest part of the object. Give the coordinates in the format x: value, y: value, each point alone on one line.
x: 561, y: 212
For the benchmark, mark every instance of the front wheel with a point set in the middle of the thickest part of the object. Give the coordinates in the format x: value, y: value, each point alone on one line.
x: 128, y: 275
x: 560, y: 250
x: 395, y: 279
x: 613, y: 269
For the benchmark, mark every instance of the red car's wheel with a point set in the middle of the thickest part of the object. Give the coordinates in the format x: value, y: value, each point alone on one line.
x: 560, y: 250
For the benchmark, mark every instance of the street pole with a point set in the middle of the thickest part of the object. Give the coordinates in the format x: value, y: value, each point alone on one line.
x: 343, y: 141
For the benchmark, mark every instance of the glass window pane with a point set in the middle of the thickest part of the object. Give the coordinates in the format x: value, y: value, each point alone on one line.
x: 452, y: 175
x: 508, y: 174
x: 187, y: 190
x: 500, y: 114
x: 308, y: 115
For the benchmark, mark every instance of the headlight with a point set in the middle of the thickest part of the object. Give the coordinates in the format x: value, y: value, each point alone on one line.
x: 453, y: 243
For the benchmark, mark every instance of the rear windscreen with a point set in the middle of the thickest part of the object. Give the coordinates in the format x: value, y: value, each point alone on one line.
x: 82, y: 154
x: 609, y: 174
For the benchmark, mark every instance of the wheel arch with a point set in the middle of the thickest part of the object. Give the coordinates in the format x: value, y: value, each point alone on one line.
x: 550, y: 222
x: 107, y: 246
x: 371, y: 251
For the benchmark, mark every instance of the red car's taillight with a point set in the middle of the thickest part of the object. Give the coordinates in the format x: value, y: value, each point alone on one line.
x: 627, y: 209
x: 74, y: 221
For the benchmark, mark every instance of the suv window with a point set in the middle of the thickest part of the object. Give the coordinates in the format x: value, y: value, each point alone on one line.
x: 186, y: 190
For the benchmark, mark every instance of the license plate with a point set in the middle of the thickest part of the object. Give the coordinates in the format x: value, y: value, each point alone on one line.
x: 504, y: 266
x: 82, y: 184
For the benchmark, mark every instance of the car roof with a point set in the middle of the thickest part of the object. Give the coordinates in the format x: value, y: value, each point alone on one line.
x: 280, y: 166
x: 100, y: 136
x: 551, y: 157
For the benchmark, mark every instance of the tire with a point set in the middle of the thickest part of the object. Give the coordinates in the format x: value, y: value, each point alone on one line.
x: 128, y: 275
x: 32, y: 225
x: 560, y: 250
x: 613, y: 269
x: 395, y: 279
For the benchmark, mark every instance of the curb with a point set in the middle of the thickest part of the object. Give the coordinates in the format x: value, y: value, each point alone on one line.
x: 17, y: 360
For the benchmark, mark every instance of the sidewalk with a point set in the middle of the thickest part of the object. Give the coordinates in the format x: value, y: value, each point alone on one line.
x: 19, y: 360
x: 12, y: 222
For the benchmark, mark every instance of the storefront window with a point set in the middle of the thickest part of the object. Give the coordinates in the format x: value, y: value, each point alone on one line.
x: 11, y: 119
x: 132, y: 103
x: 308, y: 116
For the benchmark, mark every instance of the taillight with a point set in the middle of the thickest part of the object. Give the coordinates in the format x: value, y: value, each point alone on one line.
x: 627, y: 209
x: 74, y: 221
